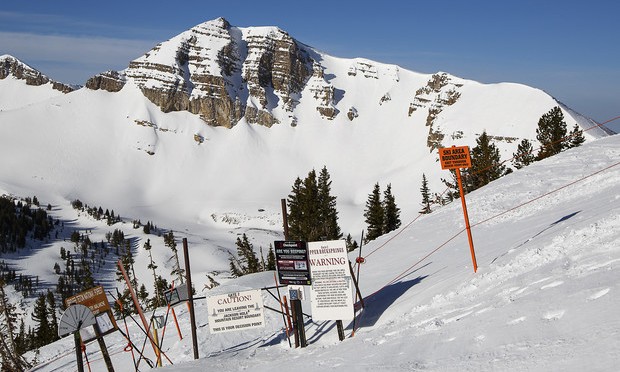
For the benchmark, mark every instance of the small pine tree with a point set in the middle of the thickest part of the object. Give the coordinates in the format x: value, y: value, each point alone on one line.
x: 177, y: 270
x: 143, y: 295
x: 576, y: 137
x: 486, y: 164
x: 374, y: 214
x: 350, y: 243
x: 551, y: 133
x: 524, y: 155
x: 51, y: 303
x: 246, y: 261
x: 391, y: 211
x: 40, y: 315
x: 426, y: 196
x: 452, y: 184
x: 271, y: 259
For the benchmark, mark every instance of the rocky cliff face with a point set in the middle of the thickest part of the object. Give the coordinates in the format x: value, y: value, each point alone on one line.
x: 222, y: 73
x: 10, y: 66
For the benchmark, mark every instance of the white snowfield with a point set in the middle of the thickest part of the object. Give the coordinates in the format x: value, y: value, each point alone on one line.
x: 545, y: 297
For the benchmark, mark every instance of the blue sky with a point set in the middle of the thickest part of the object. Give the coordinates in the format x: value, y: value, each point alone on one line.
x: 568, y: 48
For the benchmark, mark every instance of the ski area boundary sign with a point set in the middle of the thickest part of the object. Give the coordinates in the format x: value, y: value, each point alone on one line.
x: 455, y: 157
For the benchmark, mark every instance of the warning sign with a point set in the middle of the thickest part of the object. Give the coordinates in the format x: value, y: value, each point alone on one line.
x: 236, y: 311
x: 455, y: 157
x: 331, y: 293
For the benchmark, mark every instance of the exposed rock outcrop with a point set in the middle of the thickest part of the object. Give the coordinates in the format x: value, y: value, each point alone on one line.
x: 438, y: 93
x: 222, y: 73
x: 112, y: 81
x: 11, y: 66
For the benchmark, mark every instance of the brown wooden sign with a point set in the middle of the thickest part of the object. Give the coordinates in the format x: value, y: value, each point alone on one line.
x: 97, y: 301
x: 455, y: 157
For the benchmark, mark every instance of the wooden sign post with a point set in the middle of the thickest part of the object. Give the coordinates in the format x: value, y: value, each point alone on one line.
x: 456, y: 158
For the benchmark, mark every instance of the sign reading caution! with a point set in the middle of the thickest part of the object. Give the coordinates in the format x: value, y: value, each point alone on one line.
x: 235, y: 311
x: 455, y: 157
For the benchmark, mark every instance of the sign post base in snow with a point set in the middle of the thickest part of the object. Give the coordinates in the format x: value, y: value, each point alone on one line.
x: 456, y: 158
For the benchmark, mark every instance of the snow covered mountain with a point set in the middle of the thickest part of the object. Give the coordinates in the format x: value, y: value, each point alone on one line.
x: 545, y: 296
x: 206, y: 133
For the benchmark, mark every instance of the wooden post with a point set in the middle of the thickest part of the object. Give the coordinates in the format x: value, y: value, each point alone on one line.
x: 103, y: 347
x: 301, y: 329
x: 471, y: 241
x: 288, y: 335
x: 340, y: 330
x: 78, y: 349
x: 284, y: 218
x: 296, y: 309
x: 190, y: 297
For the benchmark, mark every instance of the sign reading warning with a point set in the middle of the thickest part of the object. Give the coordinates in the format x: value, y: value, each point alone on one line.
x: 331, y: 294
x: 455, y: 157
x: 236, y: 311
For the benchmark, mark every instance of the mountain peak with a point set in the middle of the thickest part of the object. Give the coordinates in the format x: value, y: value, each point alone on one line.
x: 11, y: 66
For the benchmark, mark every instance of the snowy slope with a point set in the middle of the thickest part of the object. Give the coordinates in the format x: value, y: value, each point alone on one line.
x: 544, y: 297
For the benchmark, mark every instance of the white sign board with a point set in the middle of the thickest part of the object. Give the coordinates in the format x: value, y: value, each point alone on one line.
x: 331, y: 293
x: 236, y: 311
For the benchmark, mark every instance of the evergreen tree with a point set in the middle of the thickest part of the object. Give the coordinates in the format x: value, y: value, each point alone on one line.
x: 143, y: 296
x: 375, y: 216
x: 551, y: 133
x: 156, y: 302
x: 486, y: 164
x: 246, y: 261
x: 452, y: 184
x: 312, y: 214
x: 177, y: 270
x: 271, y: 259
x: 426, y: 196
x: 328, y: 215
x: 350, y: 243
x: 311, y: 224
x: 524, y: 155
x: 391, y: 211
x: 40, y: 315
x: 51, y: 303
x: 576, y: 137
x: 11, y: 345
x: 295, y: 211
x: 161, y: 286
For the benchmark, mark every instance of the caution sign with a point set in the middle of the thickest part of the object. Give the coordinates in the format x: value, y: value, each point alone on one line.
x: 331, y: 293
x: 455, y: 157
x: 235, y: 311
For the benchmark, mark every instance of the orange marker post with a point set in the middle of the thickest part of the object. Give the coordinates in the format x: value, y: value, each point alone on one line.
x: 457, y: 158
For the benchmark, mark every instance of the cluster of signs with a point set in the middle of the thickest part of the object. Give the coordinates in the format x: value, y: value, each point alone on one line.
x: 324, y: 266
x: 97, y: 301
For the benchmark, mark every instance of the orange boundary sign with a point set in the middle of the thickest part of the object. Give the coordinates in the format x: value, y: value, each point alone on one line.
x: 455, y: 157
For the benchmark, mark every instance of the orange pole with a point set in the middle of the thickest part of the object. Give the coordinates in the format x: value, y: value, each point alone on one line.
x: 138, y: 307
x: 174, y: 316
x: 471, y: 241
x: 288, y: 316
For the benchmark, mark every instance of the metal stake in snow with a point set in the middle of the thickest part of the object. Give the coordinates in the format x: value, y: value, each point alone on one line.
x: 456, y: 158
